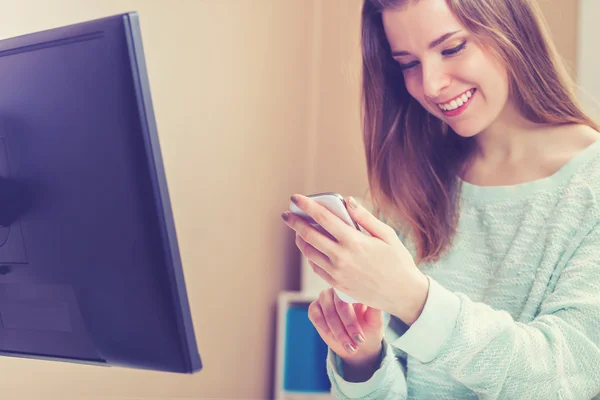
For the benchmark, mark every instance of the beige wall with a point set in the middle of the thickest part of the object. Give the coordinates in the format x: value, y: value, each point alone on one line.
x: 254, y: 100
x: 339, y: 156
x: 562, y: 17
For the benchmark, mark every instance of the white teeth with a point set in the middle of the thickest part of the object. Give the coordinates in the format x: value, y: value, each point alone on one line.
x: 459, y: 101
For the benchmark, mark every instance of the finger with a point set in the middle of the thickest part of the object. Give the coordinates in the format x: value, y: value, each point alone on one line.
x: 359, y: 309
x: 310, y: 234
x: 373, y: 316
x: 325, y: 218
x: 369, y: 317
x: 370, y: 223
x: 348, y: 317
x: 334, y: 322
x: 312, y: 254
x: 315, y: 315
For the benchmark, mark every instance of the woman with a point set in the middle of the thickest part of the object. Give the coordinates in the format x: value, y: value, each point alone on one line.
x: 477, y: 148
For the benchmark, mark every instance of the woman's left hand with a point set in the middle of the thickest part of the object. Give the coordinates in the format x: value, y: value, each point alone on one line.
x: 375, y: 270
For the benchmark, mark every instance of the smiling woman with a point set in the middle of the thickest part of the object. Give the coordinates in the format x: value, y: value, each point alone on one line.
x: 483, y: 163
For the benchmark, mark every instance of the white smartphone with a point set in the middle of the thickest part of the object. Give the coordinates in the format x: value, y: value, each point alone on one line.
x: 335, y: 203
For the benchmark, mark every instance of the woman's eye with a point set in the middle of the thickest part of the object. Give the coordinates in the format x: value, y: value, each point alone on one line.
x: 449, y: 52
x: 404, y: 67
x: 455, y: 50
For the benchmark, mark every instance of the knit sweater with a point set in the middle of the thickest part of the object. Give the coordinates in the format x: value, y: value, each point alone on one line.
x: 513, y: 310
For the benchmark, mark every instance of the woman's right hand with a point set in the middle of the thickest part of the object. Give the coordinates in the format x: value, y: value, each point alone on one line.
x: 353, y: 331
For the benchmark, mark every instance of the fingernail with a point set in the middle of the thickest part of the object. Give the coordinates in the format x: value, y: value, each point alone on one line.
x: 350, y: 348
x: 359, y: 338
x: 285, y: 216
x: 295, y: 199
x: 352, y: 202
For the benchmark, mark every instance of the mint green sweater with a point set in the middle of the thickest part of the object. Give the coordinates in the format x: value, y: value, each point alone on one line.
x: 513, y: 310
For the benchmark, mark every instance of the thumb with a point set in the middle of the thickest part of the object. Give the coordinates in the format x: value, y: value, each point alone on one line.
x: 368, y: 221
x: 373, y: 317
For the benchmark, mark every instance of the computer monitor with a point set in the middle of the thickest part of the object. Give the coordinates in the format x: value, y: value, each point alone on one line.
x: 90, y: 270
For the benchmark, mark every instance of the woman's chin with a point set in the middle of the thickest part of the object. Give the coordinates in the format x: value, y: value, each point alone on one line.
x: 466, y: 130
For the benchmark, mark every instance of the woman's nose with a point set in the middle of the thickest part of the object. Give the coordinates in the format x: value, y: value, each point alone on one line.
x: 435, y: 79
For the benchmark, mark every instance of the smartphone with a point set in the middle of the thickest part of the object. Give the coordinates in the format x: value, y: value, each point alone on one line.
x: 335, y: 203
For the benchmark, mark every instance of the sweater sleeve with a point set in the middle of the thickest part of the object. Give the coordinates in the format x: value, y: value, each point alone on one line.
x: 388, y: 382
x: 555, y: 356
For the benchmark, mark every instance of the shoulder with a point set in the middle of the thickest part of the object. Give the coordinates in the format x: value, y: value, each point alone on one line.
x: 581, y: 192
x: 567, y: 143
x: 571, y: 151
x: 583, y: 150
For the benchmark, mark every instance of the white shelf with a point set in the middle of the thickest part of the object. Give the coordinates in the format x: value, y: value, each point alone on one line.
x: 284, y: 301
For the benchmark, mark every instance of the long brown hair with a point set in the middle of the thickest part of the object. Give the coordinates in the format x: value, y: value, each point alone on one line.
x: 414, y: 160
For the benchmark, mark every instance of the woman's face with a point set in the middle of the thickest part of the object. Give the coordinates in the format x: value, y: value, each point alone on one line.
x: 445, y: 69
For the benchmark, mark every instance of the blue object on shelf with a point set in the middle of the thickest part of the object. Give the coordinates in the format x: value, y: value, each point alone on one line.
x: 305, y: 354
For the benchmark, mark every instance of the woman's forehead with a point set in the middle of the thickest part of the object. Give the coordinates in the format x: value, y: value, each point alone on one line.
x: 415, y: 26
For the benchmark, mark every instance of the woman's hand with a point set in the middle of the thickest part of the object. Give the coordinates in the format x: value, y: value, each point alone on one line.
x: 352, y: 331
x: 375, y: 270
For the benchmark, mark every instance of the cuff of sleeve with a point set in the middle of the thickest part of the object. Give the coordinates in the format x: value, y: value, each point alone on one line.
x: 359, y: 389
x: 426, y: 337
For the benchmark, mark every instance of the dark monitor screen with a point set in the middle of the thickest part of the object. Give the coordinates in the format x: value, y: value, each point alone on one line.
x: 90, y: 270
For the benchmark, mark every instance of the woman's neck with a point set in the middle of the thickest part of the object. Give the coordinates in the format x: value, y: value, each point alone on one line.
x: 510, y: 138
